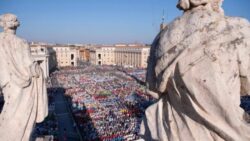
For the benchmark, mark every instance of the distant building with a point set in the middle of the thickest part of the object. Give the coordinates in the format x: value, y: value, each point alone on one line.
x: 45, y: 56
x: 95, y: 56
x: 121, y: 55
x: 135, y: 56
x: 102, y: 55
x: 127, y: 55
x: 66, y: 55
x: 84, y: 54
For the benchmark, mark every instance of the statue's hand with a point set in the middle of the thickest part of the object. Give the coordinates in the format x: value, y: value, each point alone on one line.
x: 35, y: 70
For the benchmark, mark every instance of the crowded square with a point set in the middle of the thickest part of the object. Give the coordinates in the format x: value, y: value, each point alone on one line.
x: 106, y: 101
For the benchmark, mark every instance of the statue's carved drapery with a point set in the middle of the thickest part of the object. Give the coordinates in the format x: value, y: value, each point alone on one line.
x: 22, y: 83
x: 199, y: 67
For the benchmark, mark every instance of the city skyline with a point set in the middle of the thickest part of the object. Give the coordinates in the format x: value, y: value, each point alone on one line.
x: 99, y: 22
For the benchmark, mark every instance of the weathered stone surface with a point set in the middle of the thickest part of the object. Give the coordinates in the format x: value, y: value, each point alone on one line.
x: 22, y: 84
x: 199, y: 67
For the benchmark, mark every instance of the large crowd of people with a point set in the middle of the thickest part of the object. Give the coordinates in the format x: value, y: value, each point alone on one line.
x: 245, y: 104
x: 107, y: 102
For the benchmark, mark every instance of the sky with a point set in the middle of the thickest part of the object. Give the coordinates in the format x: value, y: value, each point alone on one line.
x: 99, y: 21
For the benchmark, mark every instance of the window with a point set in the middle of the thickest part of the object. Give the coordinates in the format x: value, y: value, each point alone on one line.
x: 72, y: 56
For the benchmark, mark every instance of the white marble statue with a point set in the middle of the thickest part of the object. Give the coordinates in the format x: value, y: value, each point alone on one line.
x: 22, y: 84
x: 199, y: 66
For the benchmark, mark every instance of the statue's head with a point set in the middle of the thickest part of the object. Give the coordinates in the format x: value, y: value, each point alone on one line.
x: 9, y: 22
x: 185, y: 5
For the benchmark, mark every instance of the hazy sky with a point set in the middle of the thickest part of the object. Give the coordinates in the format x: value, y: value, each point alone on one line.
x: 99, y: 21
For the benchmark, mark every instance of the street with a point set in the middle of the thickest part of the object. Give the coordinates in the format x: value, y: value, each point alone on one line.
x: 67, y: 131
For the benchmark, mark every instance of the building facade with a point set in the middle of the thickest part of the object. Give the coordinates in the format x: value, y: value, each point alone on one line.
x: 66, y: 55
x: 52, y: 56
x: 132, y: 56
x: 103, y: 55
x: 84, y: 54
x: 120, y: 55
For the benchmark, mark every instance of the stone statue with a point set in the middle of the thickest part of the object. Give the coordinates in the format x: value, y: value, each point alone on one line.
x: 22, y: 84
x: 199, y: 66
